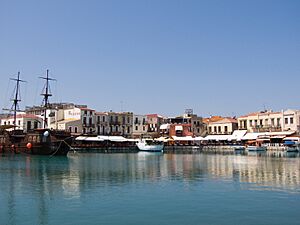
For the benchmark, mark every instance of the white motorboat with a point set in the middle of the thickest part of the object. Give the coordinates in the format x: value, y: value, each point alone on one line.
x: 150, y: 145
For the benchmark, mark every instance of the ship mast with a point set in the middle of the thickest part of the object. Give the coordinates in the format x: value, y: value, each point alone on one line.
x: 46, y: 94
x: 15, y: 106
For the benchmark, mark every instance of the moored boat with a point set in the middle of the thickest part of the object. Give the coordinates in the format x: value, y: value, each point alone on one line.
x: 256, y: 148
x: 291, y: 146
x: 150, y: 145
x: 43, y: 141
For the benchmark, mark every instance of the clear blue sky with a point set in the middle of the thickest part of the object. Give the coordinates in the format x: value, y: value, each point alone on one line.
x: 218, y: 57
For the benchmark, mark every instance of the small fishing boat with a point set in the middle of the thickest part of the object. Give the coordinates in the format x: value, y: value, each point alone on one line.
x: 291, y: 146
x: 256, y: 148
x: 150, y: 145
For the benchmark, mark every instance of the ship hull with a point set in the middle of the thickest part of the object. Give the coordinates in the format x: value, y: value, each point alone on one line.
x: 36, y: 143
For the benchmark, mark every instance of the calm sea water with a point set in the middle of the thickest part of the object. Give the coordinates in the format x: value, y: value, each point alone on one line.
x: 148, y: 188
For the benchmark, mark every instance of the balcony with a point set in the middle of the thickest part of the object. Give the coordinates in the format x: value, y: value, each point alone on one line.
x: 115, y: 123
x: 88, y: 125
x: 266, y: 128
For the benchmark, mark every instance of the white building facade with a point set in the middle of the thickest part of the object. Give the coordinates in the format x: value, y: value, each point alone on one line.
x: 24, y: 122
x: 268, y: 121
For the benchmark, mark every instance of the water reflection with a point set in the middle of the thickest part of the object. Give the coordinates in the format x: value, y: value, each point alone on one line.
x: 120, y: 169
x: 39, y: 182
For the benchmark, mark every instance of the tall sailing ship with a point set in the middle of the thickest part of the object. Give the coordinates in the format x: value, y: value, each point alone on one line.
x: 39, y: 141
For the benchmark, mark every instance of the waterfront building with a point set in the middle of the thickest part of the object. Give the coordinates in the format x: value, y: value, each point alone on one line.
x: 61, y: 116
x: 120, y: 123
x: 193, y: 124
x: 24, y: 122
x: 222, y: 126
x: 180, y: 130
x: 86, y: 117
x: 140, y: 125
x: 154, y: 122
x: 72, y: 125
x: 269, y: 121
x: 102, y: 123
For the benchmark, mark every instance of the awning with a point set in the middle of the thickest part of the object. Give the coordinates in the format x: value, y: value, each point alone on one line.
x: 251, y: 136
x: 292, y: 139
x: 217, y: 137
x: 199, y: 138
x: 238, y: 135
x: 86, y: 138
x: 278, y: 137
x: 186, y: 138
x: 164, y: 126
x: 94, y: 139
x: 178, y: 128
x: 80, y: 138
x: 289, y: 143
x: 113, y: 138
x: 164, y: 139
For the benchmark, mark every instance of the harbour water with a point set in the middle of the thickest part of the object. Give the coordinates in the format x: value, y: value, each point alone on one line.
x: 146, y: 188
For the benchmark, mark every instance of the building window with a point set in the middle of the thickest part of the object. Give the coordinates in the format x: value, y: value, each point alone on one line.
x: 215, y: 129
x: 209, y: 130
x: 128, y: 130
x: 35, y: 124
x: 5, y: 123
x: 98, y: 118
x: 84, y: 120
x: 272, y: 122
x: 143, y: 128
x: 286, y: 120
x: 103, y: 118
x: 84, y: 130
x: 19, y: 122
x: 291, y: 120
x: 128, y: 120
x: 28, y: 125
x: 226, y: 129
x: 250, y: 121
x: 136, y: 127
x: 76, y: 130
x: 85, y: 112
x: 90, y: 121
x: 70, y: 129
x: 136, y: 121
x: 261, y: 122
x: 278, y: 122
x: 219, y: 129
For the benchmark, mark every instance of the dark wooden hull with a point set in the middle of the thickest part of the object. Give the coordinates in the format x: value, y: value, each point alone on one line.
x: 35, y: 143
